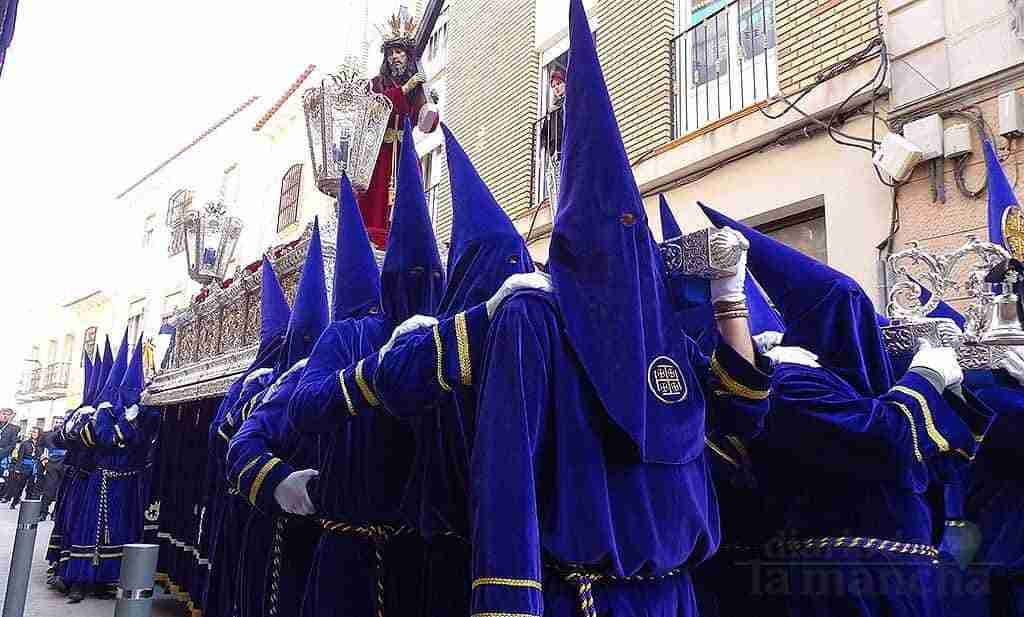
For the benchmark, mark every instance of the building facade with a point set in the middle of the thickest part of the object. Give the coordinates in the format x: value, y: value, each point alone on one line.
x: 954, y: 62
x: 52, y: 379
x: 699, y: 88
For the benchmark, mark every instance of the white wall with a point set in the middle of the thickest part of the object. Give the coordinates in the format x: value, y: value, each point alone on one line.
x: 857, y: 205
x: 941, y: 44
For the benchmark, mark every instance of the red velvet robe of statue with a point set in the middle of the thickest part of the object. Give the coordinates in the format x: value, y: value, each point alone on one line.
x: 373, y: 204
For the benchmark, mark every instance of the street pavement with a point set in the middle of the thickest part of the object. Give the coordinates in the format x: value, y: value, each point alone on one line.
x: 45, y: 602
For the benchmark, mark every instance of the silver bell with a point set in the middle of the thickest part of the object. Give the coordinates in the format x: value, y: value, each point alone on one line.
x: 1004, y: 323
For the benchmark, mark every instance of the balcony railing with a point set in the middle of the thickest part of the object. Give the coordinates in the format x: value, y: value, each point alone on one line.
x: 547, y: 152
x: 56, y: 375
x: 723, y: 64
x: 45, y: 382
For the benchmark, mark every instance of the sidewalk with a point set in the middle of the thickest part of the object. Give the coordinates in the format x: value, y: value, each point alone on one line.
x: 45, y: 602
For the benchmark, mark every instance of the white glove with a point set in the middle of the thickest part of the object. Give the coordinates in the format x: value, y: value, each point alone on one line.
x: 533, y: 280
x: 131, y: 413
x: 291, y: 493
x: 767, y: 340
x: 730, y: 288
x: 260, y: 372
x: 792, y: 355
x: 416, y: 322
x: 1013, y: 363
x: 942, y: 360
x: 85, y: 412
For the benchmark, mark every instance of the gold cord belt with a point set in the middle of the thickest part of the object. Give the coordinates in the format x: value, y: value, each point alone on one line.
x: 873, y: 544
x: 380, y: 535
x: 584, y: 582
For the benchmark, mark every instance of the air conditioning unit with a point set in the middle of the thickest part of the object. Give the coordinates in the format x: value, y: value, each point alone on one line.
x: 897, y: 157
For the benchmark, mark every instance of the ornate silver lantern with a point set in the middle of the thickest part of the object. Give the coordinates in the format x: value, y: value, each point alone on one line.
x: 910, y: 322
x: 345, y: 126
x: 210, y: 240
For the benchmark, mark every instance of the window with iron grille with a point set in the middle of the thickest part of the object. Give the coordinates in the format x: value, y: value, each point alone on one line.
x: 288, y: 207
x: 176, y: 206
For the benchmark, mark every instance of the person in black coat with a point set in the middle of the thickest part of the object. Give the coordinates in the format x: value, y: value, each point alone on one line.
x: 52, y: 474
x: 24, y: 468
x: 8, y: 432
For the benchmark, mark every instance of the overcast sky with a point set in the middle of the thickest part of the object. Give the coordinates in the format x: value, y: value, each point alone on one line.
x: 95, y: 94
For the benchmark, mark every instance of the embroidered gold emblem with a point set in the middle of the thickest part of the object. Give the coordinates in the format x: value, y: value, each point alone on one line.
x: 1013, y: 231
x: 666, y: 380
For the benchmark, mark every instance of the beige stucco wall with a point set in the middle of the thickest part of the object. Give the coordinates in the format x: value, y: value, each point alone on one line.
x: 857, y: 205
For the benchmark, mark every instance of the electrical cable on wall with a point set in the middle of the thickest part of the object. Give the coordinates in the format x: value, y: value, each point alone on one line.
x: 875, y: 48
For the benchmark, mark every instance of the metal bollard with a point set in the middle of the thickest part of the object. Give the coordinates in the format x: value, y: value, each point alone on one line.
x: 21, y: 559
x: 135, y: 591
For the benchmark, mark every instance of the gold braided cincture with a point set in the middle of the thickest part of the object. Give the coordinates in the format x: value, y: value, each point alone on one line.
x: 242, y: 473
x: 734, y: 386
x: 865, y: 543
x: 465, y: 362
x: 344, y: 392
x: 364, y: 387
x: 508, y: 582
x: 440, y: 360
x: 257, y: 484
x: 87, y: 436
x: 913, y: 431
x: 585, y: 590
x: 714, y: 448
x: 929, y: 422
x: 120, y: 436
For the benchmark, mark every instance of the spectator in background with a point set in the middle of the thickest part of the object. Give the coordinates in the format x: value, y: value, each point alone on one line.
x: 8, y: 432
x: 26, y: 457
x: 51, y: 474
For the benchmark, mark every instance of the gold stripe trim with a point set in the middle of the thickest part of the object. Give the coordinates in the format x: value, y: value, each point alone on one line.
x: 245, y: 469
x: 462, y: 338
x: 929, y: 422
x: 364, y: 387
x: 344, y: 392
x: 913, y: 431
x: 440, y: 360
x: 508, y: 582
x: 120, y: 435
x: 714, y: 448
x: 222, y: 434
x: 87, y: 436
x: 734, y: 386
x: 257, y: 484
